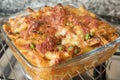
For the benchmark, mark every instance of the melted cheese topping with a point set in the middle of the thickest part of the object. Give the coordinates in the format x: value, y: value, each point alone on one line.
x: 55, y: 34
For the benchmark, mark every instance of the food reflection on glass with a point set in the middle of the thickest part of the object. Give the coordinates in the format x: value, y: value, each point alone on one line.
x: 52, y: 35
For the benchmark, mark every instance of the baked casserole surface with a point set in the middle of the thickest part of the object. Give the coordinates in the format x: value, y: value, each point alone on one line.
x: 53, y: 35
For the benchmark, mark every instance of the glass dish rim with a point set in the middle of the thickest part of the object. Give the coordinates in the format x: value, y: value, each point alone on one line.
x: 67, y: 62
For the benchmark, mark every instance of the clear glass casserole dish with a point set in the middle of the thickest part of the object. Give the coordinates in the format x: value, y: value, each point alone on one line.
x: 67, y: 69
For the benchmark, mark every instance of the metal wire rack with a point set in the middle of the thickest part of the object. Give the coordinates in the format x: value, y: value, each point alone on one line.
x: 10, y: 69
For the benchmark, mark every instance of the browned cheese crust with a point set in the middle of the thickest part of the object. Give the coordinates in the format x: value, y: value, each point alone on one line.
x: 54, y: 34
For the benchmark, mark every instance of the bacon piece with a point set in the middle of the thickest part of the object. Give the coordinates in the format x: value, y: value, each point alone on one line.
x: 58, y: 16
x: 48, y: 45
x: 49, y: 30
x: 33, y: 26
x: 89, y: 21
x: 85, y: 29
x: 76, y: 22
x: 86, y: 19
x: 93, y: 23
x: 73, y: 18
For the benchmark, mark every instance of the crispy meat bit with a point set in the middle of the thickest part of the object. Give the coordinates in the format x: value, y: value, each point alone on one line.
x: 48, y: 45
x: 86, y: 19
x: 93, y: 23
x: 76, y: 22
x: 33, y: 26
x: 58, y: 16
x: 49, y: 30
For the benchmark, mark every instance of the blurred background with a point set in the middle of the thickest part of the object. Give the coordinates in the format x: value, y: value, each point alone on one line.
x: 101, y: 7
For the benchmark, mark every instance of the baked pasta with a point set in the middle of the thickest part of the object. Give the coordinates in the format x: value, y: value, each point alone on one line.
x: 53, y: 35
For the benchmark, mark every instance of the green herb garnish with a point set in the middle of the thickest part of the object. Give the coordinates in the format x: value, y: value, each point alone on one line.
x: 87, y: 36
x: 32, y: 46
x: 70, y: 48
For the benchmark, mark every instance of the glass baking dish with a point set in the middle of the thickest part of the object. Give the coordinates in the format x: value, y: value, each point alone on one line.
x: 65, y: 70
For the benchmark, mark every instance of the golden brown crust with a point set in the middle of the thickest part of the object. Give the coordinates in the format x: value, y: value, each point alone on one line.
x: 55, y: 34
